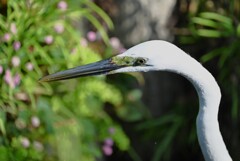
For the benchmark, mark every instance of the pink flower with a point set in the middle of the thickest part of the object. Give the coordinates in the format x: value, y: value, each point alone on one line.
x: 25, y: 142
x: 1, y: 69
x: 29, y: 66
x: 48, y: 39
x: 59, y: 28
x: 107, y: 150
x: 6, y: 37
x: 115, y: 43
x: 38, y: 146
x: 16, y: 45
x: 15, y: 61
x: 7, y: 75
x: 108, y: 142
x: 62, y: 5
x: 11, y: 81
x: 8, y: 78
x: 91, y: 36
x: 35, y: 121
x: 16, y: 80
x: 13, y: 28
x: 83, y: 42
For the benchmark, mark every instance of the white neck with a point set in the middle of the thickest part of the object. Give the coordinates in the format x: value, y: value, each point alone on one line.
x: 209, y: 136
x: 171, y: 58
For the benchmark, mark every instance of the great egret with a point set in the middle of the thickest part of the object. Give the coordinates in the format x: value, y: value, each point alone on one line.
x: 161, y: 55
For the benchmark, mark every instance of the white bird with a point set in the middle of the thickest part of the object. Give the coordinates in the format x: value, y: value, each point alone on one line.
x: 161, y: 55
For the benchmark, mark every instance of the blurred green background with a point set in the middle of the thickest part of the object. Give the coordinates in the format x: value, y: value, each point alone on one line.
x: 111, y: 118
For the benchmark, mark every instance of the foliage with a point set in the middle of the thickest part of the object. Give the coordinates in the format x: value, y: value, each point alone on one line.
x: 58, y: 121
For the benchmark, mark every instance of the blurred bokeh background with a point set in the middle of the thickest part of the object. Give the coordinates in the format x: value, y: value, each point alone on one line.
x: 123, y: 117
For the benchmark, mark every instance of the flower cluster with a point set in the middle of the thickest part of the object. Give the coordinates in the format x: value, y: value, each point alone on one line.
x: 107, y: 146
x: 25, y: 142
x: 9, y: 78
x: 12, y: 81
x: 108, y: 143
x: 32, y: 51
x: 12, y: 33
x: 115, y: 43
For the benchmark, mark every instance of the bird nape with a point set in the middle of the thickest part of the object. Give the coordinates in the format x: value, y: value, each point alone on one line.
x: 161, y: 55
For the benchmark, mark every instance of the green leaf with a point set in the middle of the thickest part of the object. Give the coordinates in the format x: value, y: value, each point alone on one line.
x: 101, y: 13
x: 2, y: 122
x: 217, y: 17
x: 121, y: 139
x: 205, y: 22
x: 213, y: 54
x: 209, y: 33
x: 4, y: 153
x: 157, y: 122
x: 165, y: 142
x: 238, y: 30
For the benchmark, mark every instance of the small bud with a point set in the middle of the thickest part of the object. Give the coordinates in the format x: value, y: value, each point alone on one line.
x: 16, y: 45
x: 35, y: 121
x: 62, y: 5
x: 59, y: 28
x: 25, y: 142
x: 115, y: 43
x: 48, y: 39
x: 38, y: 146
x: 107, y: 150
x: 6, y: 37
x: 13, y: 28
x: 15, y: 61
x: 91, y: 36
x: 108, y: 142
x: 29, y: 66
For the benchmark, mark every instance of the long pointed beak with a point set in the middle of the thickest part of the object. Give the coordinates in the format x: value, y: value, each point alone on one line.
x: 97, y: 68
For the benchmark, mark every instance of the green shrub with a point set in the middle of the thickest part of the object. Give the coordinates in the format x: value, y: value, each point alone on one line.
x: 57, y: 121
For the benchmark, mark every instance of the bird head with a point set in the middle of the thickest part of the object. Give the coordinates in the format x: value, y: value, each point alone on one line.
x: 147, y: 56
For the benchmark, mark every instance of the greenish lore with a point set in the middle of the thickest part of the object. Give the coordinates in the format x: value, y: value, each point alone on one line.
x: 124, y: 61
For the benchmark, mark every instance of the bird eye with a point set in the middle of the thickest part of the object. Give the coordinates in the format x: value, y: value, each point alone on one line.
x: 139, y: 61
